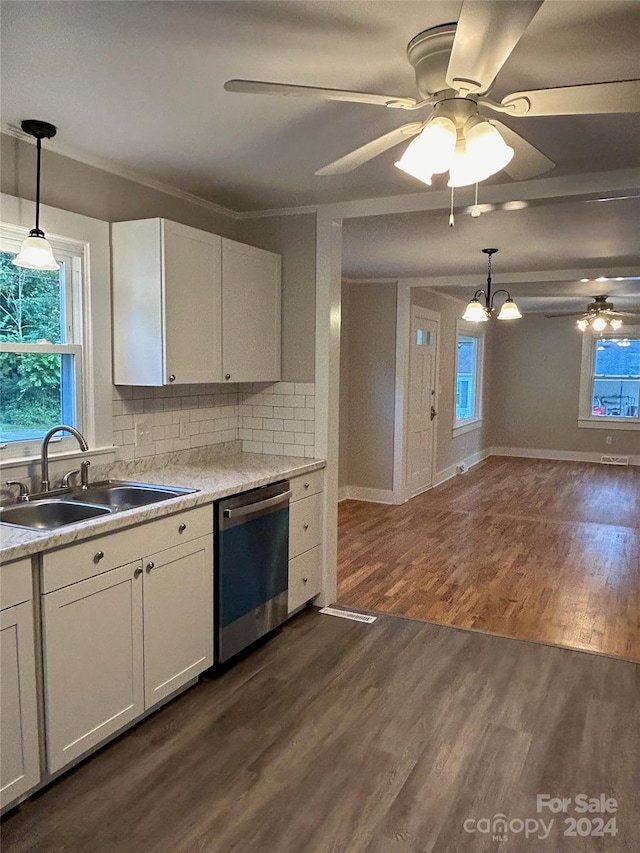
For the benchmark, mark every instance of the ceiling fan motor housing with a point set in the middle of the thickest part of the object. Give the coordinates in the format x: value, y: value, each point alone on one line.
x: 429, y: 53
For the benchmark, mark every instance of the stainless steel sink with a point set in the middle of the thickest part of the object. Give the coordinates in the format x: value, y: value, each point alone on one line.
x: 119, y: 495
x: 49, y: 510
x: 47, y: 514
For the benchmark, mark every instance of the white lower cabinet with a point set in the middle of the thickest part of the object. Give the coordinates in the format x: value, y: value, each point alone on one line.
x: 19, y: 744
x: 178, y: 617
x: 117, y: 643
x: 305, y: 537
x: 93, y: 661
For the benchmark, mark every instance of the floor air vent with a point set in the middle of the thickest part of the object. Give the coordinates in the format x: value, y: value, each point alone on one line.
x: 614, y: 460
x: 346, y: 614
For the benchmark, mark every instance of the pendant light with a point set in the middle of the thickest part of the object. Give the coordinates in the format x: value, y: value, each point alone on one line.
x: 479, y: 312
x: 35, y: 252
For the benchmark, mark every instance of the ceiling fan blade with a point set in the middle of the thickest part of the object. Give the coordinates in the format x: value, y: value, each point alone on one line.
x: 527, y: 161
x: 567, y: 314
x: 260, y: 87
x: 622, y: 96
x: 486, y: 34
x: 367, y: 152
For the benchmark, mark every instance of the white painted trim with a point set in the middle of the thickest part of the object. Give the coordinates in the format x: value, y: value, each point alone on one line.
x: 608, y: 423
x: 442, y: 295
x: 464, y: 427
x: 364, y: 493
x: 468, y: 462
x: 276, y: 211
x: 560, y: 455
x: 472, y: 280
x: 327, y: 390
x: 403, y: 325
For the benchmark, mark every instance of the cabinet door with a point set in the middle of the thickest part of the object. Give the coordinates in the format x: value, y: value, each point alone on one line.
x: 251, y: 314
x: 92, y: 643
x: 178, y: 617
x: 192, y: 305
x: 19, y: 748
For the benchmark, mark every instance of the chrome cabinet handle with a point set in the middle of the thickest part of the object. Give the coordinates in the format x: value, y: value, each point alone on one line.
x: 99, y: 555
x: 227, y: 376
x: 182, y: 528
x: 306, y: 485
x: 172, y: 378
x: 433, y: 413
x: 306, y: 526
x: 150, y: 567
x: 137, y: 573
x: 304, y: 580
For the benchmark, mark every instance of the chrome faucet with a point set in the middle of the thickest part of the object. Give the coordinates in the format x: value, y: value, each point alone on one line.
x: 44, y: 453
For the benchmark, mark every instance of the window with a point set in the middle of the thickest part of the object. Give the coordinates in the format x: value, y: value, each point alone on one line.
x: 40, y: 345
x: 610, y: 380
x: 468, y: 378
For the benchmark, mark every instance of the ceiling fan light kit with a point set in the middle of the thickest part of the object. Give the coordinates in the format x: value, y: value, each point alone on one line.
x: 599, y: 317
x: 477, y: 312
x: 455, y: 67
x: 36, y: 252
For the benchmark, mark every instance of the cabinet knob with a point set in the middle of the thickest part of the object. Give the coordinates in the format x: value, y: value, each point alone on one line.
x: 150, y: 567
x: 306, y: 525
x: 306, y: 485
x: 227, y: 376
x: 182, y: 527
x: 137, y: 573
x: 304, y: 580
x: 172, y: 378
x: 98, y: 556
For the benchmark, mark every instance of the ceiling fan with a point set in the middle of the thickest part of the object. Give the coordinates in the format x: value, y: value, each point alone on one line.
x: 455, y: 67
x: 598, y: 315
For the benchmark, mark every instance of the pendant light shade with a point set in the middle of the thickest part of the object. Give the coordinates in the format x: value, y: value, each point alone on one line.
x: 477, y: 312
x: 35, y: 252
x: 509, y: 310
x: 431, y: 152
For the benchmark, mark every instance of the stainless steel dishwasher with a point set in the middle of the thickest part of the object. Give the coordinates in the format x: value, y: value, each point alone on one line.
x: 252, y: 566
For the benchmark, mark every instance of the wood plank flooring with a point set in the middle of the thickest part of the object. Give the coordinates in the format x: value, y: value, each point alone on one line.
x: 526, y: 548
x: 338, y: 737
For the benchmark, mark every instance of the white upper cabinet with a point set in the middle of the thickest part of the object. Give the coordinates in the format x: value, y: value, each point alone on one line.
x: 191, y: 307
x: 251, y: 313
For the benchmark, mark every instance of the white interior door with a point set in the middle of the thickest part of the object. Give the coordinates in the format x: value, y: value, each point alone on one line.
x: 423, y: 366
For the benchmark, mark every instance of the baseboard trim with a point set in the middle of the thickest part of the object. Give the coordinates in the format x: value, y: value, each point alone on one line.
x: 560, y: 455
x: 364, y: 493
x: 469, y: 462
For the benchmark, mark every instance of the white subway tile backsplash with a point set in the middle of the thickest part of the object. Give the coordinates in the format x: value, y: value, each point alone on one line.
x: 275, y: 418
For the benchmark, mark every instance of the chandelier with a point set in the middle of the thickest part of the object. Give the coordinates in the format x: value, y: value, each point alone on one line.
x: 479, y: 312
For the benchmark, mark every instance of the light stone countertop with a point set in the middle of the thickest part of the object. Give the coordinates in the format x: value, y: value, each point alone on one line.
x: 214, y: 479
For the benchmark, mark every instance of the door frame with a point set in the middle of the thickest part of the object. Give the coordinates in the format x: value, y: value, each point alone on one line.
x: 401, y: 492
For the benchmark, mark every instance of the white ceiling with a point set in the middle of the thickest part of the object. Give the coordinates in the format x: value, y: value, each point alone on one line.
x: 141, y: 84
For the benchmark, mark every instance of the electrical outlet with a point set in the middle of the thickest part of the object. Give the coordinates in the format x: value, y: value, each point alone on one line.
x: 144, y: 433
x: 184, y: 426
x: 607, y: 440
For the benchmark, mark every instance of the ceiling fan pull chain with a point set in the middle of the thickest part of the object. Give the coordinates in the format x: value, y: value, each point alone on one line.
x: 475, y: 210
x: 452, y: 220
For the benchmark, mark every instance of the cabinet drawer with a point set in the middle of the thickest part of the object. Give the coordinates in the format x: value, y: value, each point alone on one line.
x: 15, y: 583
x: 309, y: 484
x: 103, y: 553
x: 305, y: 525
x: 305, y: 577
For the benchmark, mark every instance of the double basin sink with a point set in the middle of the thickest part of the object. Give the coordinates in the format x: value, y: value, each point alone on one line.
x: 68, y: 506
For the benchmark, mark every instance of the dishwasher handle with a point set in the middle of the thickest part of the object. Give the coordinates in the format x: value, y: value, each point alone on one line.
x: 249, y: 509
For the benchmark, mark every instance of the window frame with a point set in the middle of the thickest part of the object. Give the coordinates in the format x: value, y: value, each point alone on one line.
x: 587, y: 420
x: 464, y: 425
x: 91, y: 307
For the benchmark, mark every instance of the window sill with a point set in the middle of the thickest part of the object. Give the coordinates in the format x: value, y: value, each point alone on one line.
x: 608, y: 423
x: 104, y: 454
x: 469, y: 426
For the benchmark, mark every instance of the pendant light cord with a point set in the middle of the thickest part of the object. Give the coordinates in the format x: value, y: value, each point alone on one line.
x: 39, y: 149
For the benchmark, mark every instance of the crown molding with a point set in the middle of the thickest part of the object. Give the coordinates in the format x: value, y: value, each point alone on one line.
x: 113, y: 168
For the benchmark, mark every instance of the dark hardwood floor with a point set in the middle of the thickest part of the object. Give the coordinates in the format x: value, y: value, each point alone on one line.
x: 338, y: 737
x: 526, y: 548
